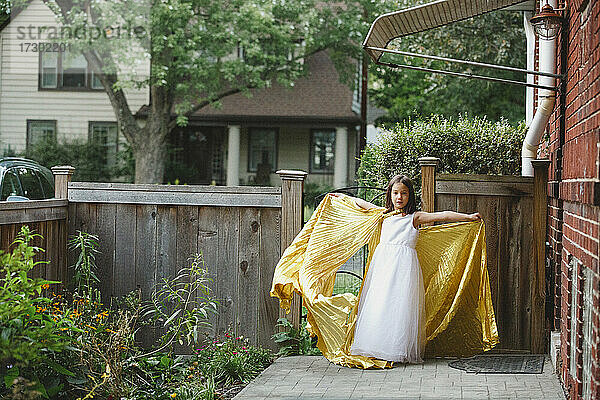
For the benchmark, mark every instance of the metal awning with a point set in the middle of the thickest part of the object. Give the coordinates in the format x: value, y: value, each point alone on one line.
x: 390, y: 26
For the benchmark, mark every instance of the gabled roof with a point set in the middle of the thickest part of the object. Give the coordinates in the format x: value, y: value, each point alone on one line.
x: 6, y: 18
x: 390, y: 26
x: 318, y: 96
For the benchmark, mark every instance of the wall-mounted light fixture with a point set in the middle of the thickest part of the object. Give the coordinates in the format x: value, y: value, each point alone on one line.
x: 547, y: 23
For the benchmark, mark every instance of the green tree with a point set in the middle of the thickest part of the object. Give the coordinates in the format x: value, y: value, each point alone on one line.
x: 192, y: 47
x: 496, y: 37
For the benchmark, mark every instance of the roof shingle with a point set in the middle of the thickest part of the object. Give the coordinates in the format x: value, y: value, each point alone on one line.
x: 319, y: 95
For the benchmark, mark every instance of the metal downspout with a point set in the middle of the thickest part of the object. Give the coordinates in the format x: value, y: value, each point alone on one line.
x: 530, y: 35
x: 546, y: 101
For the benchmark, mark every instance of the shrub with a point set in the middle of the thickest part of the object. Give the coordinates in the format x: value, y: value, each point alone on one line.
x: 294, y: 341
x: 312, y: 190
x: 31, y: 333
x: 88, y: 158
x: 233, y: 359
x: 466, y: 145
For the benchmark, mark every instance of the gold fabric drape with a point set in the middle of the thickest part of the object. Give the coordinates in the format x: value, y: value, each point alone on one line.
x: 459, y: 313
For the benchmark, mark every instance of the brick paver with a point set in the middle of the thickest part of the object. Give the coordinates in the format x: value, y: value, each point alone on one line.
x: 313, y: 377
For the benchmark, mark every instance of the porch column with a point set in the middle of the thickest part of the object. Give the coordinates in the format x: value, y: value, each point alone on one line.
x: 340, y: 167
x: 233, y: 155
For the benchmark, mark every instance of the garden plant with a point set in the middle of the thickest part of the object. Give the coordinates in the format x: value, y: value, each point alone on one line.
x: 67, y: 344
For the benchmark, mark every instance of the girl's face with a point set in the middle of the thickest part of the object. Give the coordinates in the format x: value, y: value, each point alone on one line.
x: 400, y: 195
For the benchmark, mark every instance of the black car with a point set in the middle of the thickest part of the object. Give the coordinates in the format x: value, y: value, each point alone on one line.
x: 23, y: 179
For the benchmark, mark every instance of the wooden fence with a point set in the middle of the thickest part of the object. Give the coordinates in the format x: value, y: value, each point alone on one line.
x: 149, y: 232
x: 513, y: 209
x: 48, y: 218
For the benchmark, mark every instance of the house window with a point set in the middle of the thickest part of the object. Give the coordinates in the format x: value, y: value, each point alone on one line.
x: 262, y: 148
x: 322, y: 150
x: 39, y: 131
x: 106, y: 135
x: 66, y: 71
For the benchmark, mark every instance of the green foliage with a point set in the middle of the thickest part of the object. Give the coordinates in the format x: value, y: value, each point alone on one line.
x: 294, y: 341
x: 345, y: 283
x: 27, y: 331
x: 182, y: 305
x: 232, y: 359
x: 463, y: 145
x: 496, y: 38
x: 88, y: 158
x: 71, y: 346
x: 312, y: 190
x: 30, y: 334
x: 85, y: 267
x: 8, y: 151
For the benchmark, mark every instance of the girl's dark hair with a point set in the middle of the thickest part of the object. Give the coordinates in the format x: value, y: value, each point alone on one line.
x: 411, y: 206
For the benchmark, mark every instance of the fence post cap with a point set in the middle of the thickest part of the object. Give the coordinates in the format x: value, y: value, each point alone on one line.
x: 540, y: 163
x: 429, y: 161
x: 63, y: 170
x: 290, y: 174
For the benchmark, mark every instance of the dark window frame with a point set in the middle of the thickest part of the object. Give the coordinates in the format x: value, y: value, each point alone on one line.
x: 59, y: 78
x: 114, y: 123
x: 28, y: 131
x: 312, y: 170
x: 255, y: 128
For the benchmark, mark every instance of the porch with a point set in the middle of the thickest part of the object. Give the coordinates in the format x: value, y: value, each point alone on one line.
x: 249, y: 153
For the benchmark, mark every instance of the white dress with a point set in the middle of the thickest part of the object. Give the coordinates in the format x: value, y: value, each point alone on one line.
x: 390, y: 323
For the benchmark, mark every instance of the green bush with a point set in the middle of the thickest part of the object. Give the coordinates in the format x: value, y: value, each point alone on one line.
x: 88, y: 158
x: 31, y: 334
x: 312, y: 190
x: 294, y: 341
x: 232, y: 360
x: 466, y: 145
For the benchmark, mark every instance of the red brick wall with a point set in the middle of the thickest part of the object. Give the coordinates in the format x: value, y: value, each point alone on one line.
x: 574, y: 189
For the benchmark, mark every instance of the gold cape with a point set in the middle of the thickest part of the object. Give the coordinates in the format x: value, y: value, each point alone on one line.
x: 460, y: 318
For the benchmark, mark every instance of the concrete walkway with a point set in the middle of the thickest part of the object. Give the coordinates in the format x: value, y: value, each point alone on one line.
x: 313, y: 377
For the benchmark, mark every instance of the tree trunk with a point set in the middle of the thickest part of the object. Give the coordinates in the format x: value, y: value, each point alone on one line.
x: 150, y: 158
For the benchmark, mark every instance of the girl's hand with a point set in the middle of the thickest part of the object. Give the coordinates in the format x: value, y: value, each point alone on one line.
x: 475, y: 217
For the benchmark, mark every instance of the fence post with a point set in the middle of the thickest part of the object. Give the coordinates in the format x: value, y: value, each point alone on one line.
x: 292, y: 184
x: 428, y: 166
x: 62, y: 177
x: 537, y: 273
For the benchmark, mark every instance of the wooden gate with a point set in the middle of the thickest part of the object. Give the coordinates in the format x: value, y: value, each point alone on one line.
x: 514, y: 212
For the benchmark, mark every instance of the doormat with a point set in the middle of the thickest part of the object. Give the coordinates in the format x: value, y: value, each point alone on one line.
x: 501, y: 364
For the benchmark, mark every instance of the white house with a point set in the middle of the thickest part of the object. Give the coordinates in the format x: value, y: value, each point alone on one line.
x: 312, y: 127
x: 49, y: 92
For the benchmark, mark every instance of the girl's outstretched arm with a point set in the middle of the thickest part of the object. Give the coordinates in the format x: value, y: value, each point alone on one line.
x: 365, y: 205
x: 422, y: 217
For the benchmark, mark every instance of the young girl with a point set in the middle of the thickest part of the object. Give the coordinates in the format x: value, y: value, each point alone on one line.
x: 391, y: 313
